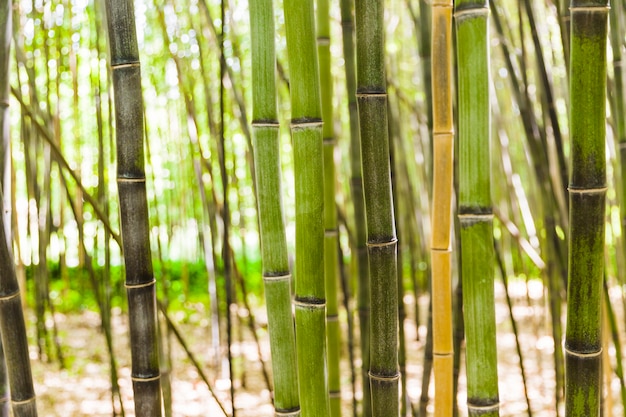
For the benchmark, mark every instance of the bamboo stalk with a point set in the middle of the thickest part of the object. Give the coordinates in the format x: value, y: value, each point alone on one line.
x: 131, y: 181
x: 475, y: 213
x: 356, y: 189
x: 15, y: 357
x: 307, y: 135
x: 381, y: 235
x: 6, y: 26
x: 443, y: 156
x: 587, y: 192
x: 331, y: 233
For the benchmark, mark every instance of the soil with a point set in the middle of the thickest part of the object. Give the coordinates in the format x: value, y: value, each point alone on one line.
x: 83, y: 387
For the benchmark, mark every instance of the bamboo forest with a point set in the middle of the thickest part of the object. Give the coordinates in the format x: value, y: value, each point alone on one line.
x: 315, y: 208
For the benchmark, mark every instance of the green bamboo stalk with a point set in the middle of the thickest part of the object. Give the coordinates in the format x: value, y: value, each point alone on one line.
x: 306, y: 130
x: 331, y: 262
x: 587, y: 192
x: 131, y: 182
x: 617, y: 95
x: 475, y: 214
x: 226, y: 259
x: 381, y: 235
x: 356, y: 190
x: 443, y: 164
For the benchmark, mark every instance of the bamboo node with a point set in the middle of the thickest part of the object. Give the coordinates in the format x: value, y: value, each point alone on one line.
x: 382, y: 244
x: 130, y: 180
x: 331, y: 232
x: 483, y: 408
x: 287, y: 413
x: 142, y: 285
x: 126, y: 65
x: 598, y: 190
x: 590, y: 8
x: 476, y: 217
x: 334, y: 394
x: 306, y: 123
x: 10, y: 296
x: 583, y: 355
x: 332, y: 317
x: 23, y: 402
x: 4, y: 103
x: 275, y: 278
x: 443, y: 132
x: 265, y: 123
x: 323, y: 40
x: 471, y: 12
x: 310, y: 303
x: 366, y: 94
x: 384, y: 378
x: 145, y: 379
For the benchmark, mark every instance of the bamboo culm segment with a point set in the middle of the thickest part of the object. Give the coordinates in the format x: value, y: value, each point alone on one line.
x: 277, y: 279
x: 266, y: 148
x: 307, y: 136
x: 331, y: 260
x: 140, y: 282
x: 476, y: 220
x: 356, y: 189
x: 443, y: 157
x: 381, y: 232
x: 587, y: 192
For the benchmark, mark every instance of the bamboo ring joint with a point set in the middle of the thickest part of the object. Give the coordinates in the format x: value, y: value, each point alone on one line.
x: 583, y: 355
x: 276, y: 278
x: 323, y: 40
x: 142, y: 285
x: 332, y: 317
x: 598, y: 190
x: 287, y: 413
x: 10, y: 296
x: 598, y: 8
x: 266, y: 123
x: 470, y: 216
x: 384, y: 378
x: 304, y: 124
x: 126, y: 65
x: 483, y: 408
x: 382, y: 244
x: 475, y: 11
x: 371, y: 94
x: 23, y: 402
x: 140, y: 379
x: 310, y: 305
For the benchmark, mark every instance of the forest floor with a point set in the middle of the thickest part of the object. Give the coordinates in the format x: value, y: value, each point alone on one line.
x: 83, y: 387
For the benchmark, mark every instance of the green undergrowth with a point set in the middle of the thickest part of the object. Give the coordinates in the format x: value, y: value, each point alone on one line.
x: 180, y: 284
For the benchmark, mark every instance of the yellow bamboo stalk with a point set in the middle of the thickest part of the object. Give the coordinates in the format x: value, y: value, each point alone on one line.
x: 443, y: 155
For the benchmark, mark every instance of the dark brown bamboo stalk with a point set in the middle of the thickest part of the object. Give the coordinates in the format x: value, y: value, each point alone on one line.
x: 131, y: 180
